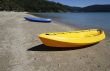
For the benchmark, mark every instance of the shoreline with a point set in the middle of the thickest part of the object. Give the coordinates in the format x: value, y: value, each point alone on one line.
x: 21, y: 49
x: 57, y: 22
x: 72, y: 26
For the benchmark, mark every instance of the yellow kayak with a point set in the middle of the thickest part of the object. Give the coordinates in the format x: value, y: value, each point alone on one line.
x: 73, y: 38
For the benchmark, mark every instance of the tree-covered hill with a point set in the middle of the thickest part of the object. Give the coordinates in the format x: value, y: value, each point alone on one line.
x: 47, y: 6
x: 96, y: 8
x: 32, y: 5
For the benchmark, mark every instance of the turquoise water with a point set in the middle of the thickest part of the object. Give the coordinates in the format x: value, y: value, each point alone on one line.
x: 82, y: 20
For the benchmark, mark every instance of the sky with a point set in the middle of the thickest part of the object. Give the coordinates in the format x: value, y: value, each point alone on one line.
x: 82, y: 3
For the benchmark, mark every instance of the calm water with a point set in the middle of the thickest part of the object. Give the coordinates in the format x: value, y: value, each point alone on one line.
x: 82, y: 20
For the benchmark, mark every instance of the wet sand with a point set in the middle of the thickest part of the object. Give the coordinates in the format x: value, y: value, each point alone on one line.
x: 21, y: 49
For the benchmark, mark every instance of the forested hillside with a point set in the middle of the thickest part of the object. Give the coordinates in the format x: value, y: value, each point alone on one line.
x: 96, y: 8
x: 47, y: 6
x: 32, y: 5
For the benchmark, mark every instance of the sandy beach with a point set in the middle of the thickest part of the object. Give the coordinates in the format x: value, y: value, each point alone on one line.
x: 21, y: 49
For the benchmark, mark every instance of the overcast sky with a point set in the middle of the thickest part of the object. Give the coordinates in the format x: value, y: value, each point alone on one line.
x: 82, y: 3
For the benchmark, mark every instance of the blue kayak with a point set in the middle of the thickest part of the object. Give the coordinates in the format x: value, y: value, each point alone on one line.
x: 35, y: 19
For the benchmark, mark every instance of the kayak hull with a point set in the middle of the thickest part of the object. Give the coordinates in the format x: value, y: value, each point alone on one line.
x: 53, y: 43
x: 33, y: 19
x: 56, y: 41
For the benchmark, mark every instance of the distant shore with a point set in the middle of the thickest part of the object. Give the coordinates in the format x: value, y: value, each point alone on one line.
x: 21, y: 49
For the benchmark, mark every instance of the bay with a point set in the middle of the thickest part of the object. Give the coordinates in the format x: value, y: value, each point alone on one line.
x: 82, y: 20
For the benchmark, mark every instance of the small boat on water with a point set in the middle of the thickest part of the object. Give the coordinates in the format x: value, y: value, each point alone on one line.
x: 35, y: 19
x: 73, y: 38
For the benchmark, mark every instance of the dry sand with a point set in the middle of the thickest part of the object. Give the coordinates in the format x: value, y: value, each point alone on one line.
x: 21, y: 50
